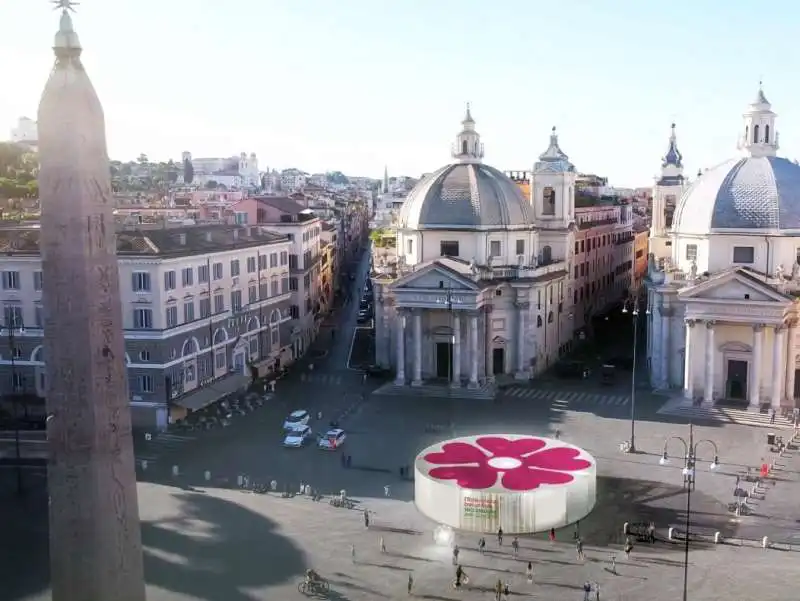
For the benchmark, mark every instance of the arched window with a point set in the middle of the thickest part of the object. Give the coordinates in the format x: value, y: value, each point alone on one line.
x: 275, y: 316
x: 766, y: 134
x: 464, y: 147
x: 548, y: 201
x: 220, y: 336
x: 755, y: 134
x: 190, y: 347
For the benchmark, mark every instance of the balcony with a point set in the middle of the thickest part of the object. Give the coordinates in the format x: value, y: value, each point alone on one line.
x: 589, y: 224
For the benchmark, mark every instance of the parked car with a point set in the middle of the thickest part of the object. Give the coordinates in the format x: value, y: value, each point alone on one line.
x: 572, y: 370
x: 296, y: 419
x: 363, y: 317
x: 376, y: 371
x: 332, y: 440
x: 297, y: 437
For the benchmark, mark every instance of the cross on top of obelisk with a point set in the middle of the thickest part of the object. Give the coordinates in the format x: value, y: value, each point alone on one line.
x: 65, y: 4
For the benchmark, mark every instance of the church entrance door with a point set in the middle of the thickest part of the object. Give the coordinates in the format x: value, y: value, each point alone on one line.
x: 737, y: 380
x: 444, y: 360
x: 498, y: 361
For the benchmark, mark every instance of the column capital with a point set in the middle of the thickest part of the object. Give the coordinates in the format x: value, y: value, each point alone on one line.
x: 690, y: 323
x: 758, y: 327
x: 710, y: 323
x: 792, y: 323
x: 780, y: 328
x: 523, y: 306
x: 487, y: 308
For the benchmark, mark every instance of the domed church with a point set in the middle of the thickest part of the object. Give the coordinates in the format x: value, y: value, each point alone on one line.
x: 480, y: 282
x: 724, y: 276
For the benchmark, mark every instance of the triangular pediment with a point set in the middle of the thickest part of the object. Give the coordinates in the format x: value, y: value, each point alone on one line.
x: 435, y: 276
x: 736, y: 285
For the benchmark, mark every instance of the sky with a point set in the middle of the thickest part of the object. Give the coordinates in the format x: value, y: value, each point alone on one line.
x: 353, y: 85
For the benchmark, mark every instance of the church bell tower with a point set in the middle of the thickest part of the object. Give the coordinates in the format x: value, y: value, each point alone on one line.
x: 668, y: 189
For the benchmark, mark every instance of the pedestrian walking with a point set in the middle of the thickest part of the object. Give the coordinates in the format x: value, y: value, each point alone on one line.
x: 596, y: 591
x: 587, y: 590
x: 349, y: 462
x: 386, y: 490
x: 366, y: 518
x: 353, y: 553
x: 498, y: 590
x: 529, y: 572
x: 456, y: 551
x: 515, y: 546
x: 552, y: 535
x: 577, y: 534
x: 410, y: 583
x: 628, y: 547
x: 500, y: 537
x: 614, y: 564
x: 383, y: 545
x: 651, y: 533
x: 579, y: 549
x: 506, y: 591
x: 481, y: 545
x: 772, y: 416
x: 319, y: 414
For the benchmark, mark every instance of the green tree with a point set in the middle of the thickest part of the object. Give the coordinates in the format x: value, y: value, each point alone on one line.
x: 211, y: 185
x: 188, y: 171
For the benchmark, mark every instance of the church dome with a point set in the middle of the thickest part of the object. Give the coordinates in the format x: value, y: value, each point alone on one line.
x: 759, y: 191
x: 467, y: 194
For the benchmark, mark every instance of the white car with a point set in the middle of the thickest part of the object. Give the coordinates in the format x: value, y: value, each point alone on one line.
x: 332, y: 440
x: 296, y: 419
x: 297, y: 437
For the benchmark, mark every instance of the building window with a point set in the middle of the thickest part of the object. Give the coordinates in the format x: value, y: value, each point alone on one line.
x: 143, y: 319
x: 274, y: 337
x: 236, y: 300
x: 766, y: 134
x: 520, y: 247
x: 691, y: 252
x: 205, y: 307
x: 284, y: 285
x: 409, y: 246
x: 144, y: 356
x: 39, y: 316
x: 253, y: 346
x: 744, y: 254
x: 11, y: 280
x: 448, y: 248
x: 293, y: 284
x: 262, y: 262
x: 140, y: 281
x: 170, y: 280
x: 202, y: 274
x: 188, y: 311
x: 219, y: 302
x: 172, y: 316
x: 234, y: 268
x: 284, y: 258
x: 144, y: 383
x: 547, y: 255
x: 219, y: 360
x: 273, y: 259
x: 494, y: 248
x: 37, y: 280
x: 275, y: 287
x: 240, y: 218
x: 755, y: 134
x: 217, y: 271
x: 292, y: 261
x: 187, y: 276
x: 12, y: 316
x: 548, y: 201
x: 252, y: 294
x: 251, y: 264
x: 263, y: 290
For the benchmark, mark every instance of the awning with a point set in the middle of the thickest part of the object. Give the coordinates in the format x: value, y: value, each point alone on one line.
x: 199, y: 398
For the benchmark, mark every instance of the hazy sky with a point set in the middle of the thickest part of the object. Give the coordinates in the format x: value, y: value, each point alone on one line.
x: 356, y: 84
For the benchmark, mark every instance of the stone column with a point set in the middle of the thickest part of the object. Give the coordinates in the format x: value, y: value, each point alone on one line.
x: 755, y: 376
x: 473, y: 351
x: 487, y: 347
x: 788, y: 392
x: 778, y: 365
x: 688, y: 380
x: 654, y: 345
x: 708, y: 394
x: 456, y: 383
x: 522, y: 372
x: 400, y: 358
x: 417, y: 381
x: 666, y: 342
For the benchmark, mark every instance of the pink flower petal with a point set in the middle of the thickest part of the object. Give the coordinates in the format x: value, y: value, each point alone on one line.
x: 456, y: 453
x: 523, y: 478
x: 466, y: 476
x: 503, y: 447
x: 557, y: 458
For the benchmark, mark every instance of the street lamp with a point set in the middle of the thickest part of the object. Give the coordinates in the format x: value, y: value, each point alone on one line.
x: 11, y: 320
x: 635, y: 314
x: 689, y: 479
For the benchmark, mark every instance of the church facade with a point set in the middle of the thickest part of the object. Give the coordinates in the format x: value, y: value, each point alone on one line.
x: 723, y: 275
x: 480, y: 281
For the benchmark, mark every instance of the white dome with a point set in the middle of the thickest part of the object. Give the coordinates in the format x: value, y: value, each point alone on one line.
x: 751, y: 193
x: 465, y: 196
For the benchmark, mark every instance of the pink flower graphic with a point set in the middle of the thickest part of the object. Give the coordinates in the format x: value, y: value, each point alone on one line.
x: 521, y: 464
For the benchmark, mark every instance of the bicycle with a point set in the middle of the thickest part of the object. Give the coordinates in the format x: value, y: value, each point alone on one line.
x: 315, y: 587
x: 464, y: 582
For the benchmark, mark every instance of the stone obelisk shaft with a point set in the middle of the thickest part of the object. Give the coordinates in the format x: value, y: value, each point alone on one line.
x: 95, y: 538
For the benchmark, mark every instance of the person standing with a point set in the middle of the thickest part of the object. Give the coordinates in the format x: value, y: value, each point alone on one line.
x: 614, y: 564
x: 366, y: 518
x: 410, y: 583
x: 579, y: 549
x: 498, y: 590
x: 353, y: 553
x: 587, y: 589
x: 596, y: 591
x: 383, y: 545
x: 515, y: 546
x: 529, y: 572
x: 481, y: 545
x: 500, y: 537
x: 628, y: 547
x: 552, y: 535
x: 456, y: 551
x: 386, y: 490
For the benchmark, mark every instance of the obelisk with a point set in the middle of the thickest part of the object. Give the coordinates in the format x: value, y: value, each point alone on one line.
x: 95, y: 538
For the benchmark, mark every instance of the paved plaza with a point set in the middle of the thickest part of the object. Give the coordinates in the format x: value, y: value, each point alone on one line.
x: 208, y: 540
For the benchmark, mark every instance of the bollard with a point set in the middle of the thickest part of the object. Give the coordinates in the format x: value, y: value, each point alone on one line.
x: 273, y: 485
x: 239, y: 480
x: 717, y: 538
x: 765, y: 542
x: 148, y: 437
x: 207, y: 476
x: 144, y: 465
x: 625, y: 530
x: 671, y: 534
x: 175, y: 470
x: 308, y: 490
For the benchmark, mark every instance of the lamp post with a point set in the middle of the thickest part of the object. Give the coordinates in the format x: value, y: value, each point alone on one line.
x: 688, y: 472
x: 634, y: 311
x: 11, y: 320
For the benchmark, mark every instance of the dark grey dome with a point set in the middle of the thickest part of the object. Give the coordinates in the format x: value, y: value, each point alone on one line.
x: 465, y: 196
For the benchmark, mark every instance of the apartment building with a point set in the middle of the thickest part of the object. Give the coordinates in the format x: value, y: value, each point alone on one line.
x: 198, y: 304
x: 303, y: 229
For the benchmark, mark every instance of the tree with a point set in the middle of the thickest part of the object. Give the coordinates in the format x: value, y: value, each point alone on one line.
x: 211, y: 185
x: 337, y: 177
x: 188, y: 171
x: 142, y: 160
